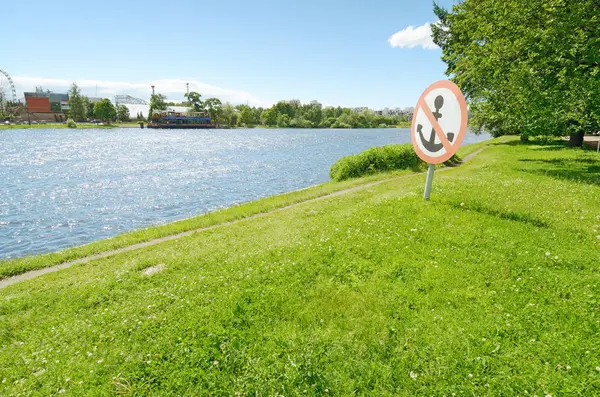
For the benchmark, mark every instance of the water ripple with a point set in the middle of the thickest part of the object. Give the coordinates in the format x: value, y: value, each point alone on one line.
x: 61, y: 188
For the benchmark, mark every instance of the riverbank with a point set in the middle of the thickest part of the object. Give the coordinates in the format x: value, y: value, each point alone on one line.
x: 487, y: 289
x: 66, y: 188
x: 12, y: 267
x: 64, y: 126
x: 132, y: 125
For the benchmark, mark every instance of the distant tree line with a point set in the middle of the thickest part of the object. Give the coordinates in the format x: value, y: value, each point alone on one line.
x: 283, y: 114
x: 81, y: 108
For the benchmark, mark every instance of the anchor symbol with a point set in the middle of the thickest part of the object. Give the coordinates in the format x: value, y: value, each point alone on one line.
x: 430, y: 144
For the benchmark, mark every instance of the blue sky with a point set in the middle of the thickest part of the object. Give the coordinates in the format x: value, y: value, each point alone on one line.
x: 334, y: 51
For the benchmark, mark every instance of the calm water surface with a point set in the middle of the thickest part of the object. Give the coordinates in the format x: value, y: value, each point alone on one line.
x: 60, y: 188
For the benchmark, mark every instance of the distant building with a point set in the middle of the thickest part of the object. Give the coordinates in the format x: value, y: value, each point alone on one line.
x: 360, y: 109
x: 42, y: 101
x: 37, y: 104
x: 317, y: 103
x: 293, y: 102
x: 64, y: 106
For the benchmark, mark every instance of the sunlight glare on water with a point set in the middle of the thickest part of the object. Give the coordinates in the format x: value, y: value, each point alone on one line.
x: 61, y: 188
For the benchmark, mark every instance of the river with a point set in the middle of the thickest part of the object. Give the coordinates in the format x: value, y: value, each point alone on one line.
x: 61, y: 188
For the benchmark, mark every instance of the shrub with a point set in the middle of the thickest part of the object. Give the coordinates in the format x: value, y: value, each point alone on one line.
x: 544, y: 139
x: 375, y: 160
x: 71, y: 123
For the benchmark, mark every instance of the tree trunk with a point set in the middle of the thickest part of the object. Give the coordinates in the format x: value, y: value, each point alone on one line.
x: 576, y: 139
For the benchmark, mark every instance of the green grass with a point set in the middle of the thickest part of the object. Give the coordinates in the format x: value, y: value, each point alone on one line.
x: 491, y: 288
x: 53, y: 126
x: 17, y: 266
x: 130, y: 124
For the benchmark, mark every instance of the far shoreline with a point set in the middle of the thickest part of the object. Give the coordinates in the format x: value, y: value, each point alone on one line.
x: 87, y: 126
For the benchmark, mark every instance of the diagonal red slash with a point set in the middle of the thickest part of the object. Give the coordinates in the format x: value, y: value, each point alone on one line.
x: 436, y: 126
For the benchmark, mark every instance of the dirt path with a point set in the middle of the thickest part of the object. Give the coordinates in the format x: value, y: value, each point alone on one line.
x: 40, y: 272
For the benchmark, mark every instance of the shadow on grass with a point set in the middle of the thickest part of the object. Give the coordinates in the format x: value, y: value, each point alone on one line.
x: 571, y: 162
x: 556, y: 144
x: 588, y: 176
x: 582, y: 170
x: 500, y: 213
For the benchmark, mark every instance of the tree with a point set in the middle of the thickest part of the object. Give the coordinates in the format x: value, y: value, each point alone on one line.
x: 313, y: 114
x: 194, y: 101
x: 77, y: 103
x: 157, y: 102
x: 105, y: 110
x: 256, y: 113
x: 230, y: 115
x: 90, y: 110
x: 526, y: 66
x: 283, y: 121
x: 285, y: 108
x: 122, y: 113
x: 269, y: 117
x: 214, y: 107
x: 246, y: 116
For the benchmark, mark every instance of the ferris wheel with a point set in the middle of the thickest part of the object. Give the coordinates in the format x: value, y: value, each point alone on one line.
x: 8, y: 93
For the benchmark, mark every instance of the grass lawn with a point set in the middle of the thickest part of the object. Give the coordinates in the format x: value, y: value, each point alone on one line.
x: 129, y: 124
x: 491, y: 288
x: 21, y: 265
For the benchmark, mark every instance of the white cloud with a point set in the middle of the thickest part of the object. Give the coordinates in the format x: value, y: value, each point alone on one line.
x: 172, y: 88
x: 412, y: 37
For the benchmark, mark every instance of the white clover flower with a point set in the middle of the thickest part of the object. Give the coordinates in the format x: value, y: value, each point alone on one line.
x: 413, y: 375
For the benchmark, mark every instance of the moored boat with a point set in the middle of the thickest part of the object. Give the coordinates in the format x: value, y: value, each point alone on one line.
x: 169, y: 119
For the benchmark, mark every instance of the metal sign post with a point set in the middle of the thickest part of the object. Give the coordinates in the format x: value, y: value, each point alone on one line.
x: 438, y: 126
x: 429, y: 181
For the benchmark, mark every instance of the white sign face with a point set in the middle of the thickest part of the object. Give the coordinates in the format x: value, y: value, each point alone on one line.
x: 439, y: 122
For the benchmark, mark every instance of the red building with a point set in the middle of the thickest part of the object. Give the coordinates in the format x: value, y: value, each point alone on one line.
x: 37, y: 104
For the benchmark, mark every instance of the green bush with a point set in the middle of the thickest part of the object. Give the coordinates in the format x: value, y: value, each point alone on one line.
x: 544, y: 139
x: 71, y: 123
x: 375, y: 160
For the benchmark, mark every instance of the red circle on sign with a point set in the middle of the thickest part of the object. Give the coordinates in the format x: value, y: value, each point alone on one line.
x: 450, y: 148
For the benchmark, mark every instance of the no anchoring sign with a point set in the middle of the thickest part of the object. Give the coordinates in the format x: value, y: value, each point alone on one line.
x: 439, y: 125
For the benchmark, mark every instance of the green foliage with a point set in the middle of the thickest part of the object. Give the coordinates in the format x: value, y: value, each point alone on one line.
x: 122, y: 113
x: 71, y: 123
x: 283, y: 121
x: 105, y: 110
x: 269, y: 117
x: 230, y: 115
x: 526, y: 66
x: 285, y: 108
x: 157, y: 102
x: 214, y: 107
x: 374, y: 160
x: 194, y: 101
x: 246, y: 116
x: 78, y: 104
x: 90, y: 110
